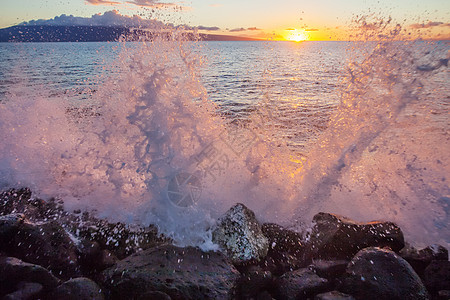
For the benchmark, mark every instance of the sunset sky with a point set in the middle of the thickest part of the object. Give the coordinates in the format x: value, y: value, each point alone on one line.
x: 280, y: 19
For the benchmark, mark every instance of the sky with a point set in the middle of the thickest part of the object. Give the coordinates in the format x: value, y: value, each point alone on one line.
x: 267, y: 19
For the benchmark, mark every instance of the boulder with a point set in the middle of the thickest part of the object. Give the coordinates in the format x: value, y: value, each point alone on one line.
x: 280, y: 263
x: 285, y: 249
x: 13, y: 271
x: 283, y: 240
x: 154, y: 295
x: 300, y: 284
x: 329, y: 269
x: 181, y: 273
x: 420, y: 259
x: 376, y: 273
x: 92, y: 258
x: 25, y: 290
x: 437, y: 276
x: 239, y: 234
x: 333, y: 295
x: 119, y: 239
x: 337, y: 237
x: 77, y: 289
x: 46, y: 244
x: 253, y: 281
x: 21, y: 201
x: 443, y: 295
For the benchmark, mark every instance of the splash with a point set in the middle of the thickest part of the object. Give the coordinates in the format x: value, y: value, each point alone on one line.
x: 383, y: 155
x: 149, y: 147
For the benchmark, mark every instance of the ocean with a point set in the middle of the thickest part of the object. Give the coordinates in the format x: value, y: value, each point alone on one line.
x: 174, y: 133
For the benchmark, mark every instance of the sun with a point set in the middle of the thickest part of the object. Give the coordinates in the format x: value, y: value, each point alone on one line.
x: 297, y: 36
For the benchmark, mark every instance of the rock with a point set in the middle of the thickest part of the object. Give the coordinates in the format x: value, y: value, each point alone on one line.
x: 337, y: 237
x: 285, y: 249
x: 420, y: 259
x: 376, y: 273
x: 329, y: 269
x: 13, y: 271
x: 264, y: 295
x: 300, y: 284
x: 93, y: 259
x: 45, y: 244
x: 181, y: 273
x: 283, y: 240
x: 437, y: 276
x: 333, y: 295
x: 443, y: 295
x: 25, y: 290
x: 155, y: 295
x: 21, y: 201
x: 118, y: 238
x: 253, y: 281
x: 239, y: 234
x: 77, y: 289
x: 280, y: 263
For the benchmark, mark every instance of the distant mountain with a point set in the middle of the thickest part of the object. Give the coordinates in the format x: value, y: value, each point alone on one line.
x: 50, y: 33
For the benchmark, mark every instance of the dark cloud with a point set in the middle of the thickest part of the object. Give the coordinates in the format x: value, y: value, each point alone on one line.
x: 150, y: 3
x: 215, y: 28
x: 243, y: 29
x: 102, y: 2
x: 428, y: 25
x: 311, y: 29
x: 290, y: 29
x: 109, y: 18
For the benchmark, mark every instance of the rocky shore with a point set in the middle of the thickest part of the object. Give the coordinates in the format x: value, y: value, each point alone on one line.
x: 49, y: 253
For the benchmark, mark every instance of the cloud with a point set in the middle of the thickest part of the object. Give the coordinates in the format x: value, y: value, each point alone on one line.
x: 311, y: 29
x: 216, y: 5
x: 150, y: 3
x: 109, y: 18
x: 141, y: 3
x: 290, y: 29
x: 102, y: 2
x: 244, y: 29
x: 215, y: 28
x: 428, y: 25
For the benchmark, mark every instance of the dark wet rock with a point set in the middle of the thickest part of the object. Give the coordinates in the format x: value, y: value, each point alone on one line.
x: 283, y: 240
x: 337, y: 237
x: 437, y: 276
x: 181, y: 273
x: 280, y: 263
x: 240, y: 235
x: 25, y: 290
x: 376, y: 273
x: 300, y: 284
x: 285, y: 249
x: 333, y: 295
x: 45, y: 244
x: 253, y: 281
x: 77, y: 289
x: 34, y: 209
x: 420, y: 259
x: 154, y: 295
x: 94, y: 259
x: 443, y: 295
x: 118, y: 238
x: 264, y: 295
x: 329, y: 269
x: 13, y: 271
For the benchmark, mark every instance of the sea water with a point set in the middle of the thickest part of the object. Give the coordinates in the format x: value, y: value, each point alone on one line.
x: 174, y: 133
